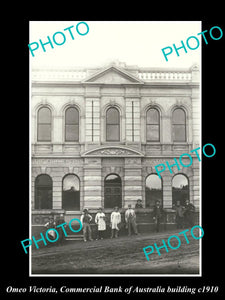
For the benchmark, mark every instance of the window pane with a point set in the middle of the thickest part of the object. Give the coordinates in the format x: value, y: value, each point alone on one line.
x: 43, y: 180
x: 112, y: 133
x: 152, y: 133
x: 71, y: 182
x: 72, y: 133
x: 113, y: 178
x: 72, y: 116
x: 152, y: 116
x: 71, y: 192
x: 179, y: 181
x: 153, y: 190
x: 179, y: 134
x: 43, y: 192
x: 178, y: 116
x: 112, y: 116
x: 44, y: 115
x: 43, y: 198
x: 44, y: 132
x: 180, y: 189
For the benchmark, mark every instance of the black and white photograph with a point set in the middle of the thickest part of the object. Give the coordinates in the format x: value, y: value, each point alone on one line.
x: 113, y: 128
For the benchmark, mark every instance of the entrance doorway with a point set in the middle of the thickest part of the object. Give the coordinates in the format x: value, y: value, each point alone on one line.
x: 112, y: 191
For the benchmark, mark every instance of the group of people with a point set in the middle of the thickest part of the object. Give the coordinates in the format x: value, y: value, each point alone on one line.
x: 115, y: 222
x: 184, y: 214
x: 184, y: 219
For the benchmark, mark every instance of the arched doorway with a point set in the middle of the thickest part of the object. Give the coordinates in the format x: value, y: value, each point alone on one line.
x: 112, y: 191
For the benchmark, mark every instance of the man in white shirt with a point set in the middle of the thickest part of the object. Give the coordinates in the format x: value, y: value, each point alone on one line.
x: 130, y: 218
x: 115, y: 220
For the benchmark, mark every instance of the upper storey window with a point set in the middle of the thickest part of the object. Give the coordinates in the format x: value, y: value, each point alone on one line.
x: 44, y: 125
x: 179, y: 125
x: 72, y: 125
x: 112, y: 125
x: 152, y: 124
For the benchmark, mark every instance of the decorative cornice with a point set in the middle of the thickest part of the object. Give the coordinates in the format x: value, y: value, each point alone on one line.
x: 134, y: 75
x: 112, y: 151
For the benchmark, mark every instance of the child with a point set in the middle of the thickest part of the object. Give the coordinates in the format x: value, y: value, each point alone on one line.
x: 115, y: 220
x: 86, y: 220
x: 100, y: 221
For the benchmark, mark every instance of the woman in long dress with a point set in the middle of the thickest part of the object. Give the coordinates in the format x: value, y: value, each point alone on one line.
x: 115, y: 220
x: 100, y: 221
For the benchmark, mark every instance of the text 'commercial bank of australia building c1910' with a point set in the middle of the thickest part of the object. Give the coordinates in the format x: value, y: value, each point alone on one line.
x: 97, y: 134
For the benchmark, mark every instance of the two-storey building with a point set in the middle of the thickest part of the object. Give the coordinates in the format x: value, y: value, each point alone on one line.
x: 98, y: 133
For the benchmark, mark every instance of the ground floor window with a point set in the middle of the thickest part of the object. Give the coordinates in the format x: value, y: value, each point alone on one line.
x: 71, y: 192
x: 112, y: 191
x: 153, y: 190
x: 180, y: 189
x: 43, y: 192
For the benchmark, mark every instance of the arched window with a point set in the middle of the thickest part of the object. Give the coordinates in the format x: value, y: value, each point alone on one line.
x: 152, y: 125
x: 112, y: 125
x: 112, y: 191
x: 153, y: 190
x: 43, y: 192
x: 71, y: 192
x: 72, y: 125
x: 180, y: 189
x: 179, y: 125
x: 44, y: 125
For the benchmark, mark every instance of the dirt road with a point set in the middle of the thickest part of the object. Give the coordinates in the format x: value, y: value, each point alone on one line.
x: 118, y: 256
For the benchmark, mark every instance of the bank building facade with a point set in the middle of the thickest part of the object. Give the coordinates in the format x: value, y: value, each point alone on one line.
x: 98, y: 133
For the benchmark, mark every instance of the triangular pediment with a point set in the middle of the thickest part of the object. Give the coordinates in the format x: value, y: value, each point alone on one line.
x: 112, y: 151
x: 112, y: 75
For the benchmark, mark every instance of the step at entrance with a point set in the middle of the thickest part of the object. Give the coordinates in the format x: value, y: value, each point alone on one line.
x: 73, y: 237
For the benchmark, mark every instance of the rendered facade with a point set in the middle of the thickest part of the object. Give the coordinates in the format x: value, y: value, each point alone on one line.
x: 97, y: 134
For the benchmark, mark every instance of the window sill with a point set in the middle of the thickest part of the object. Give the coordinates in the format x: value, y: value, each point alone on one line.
x: 113, y: 142
x: 43, y: 143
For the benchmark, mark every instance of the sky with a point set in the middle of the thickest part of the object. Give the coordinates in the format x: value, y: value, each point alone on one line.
x: 133, y: 42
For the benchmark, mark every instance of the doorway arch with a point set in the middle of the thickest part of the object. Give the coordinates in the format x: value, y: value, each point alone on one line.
x: 112, y: 191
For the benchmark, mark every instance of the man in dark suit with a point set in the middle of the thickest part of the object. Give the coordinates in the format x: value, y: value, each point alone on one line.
x: 157, y: 214
x: 189, y: 214
x: 139, y: 204
x: 179, y: 215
